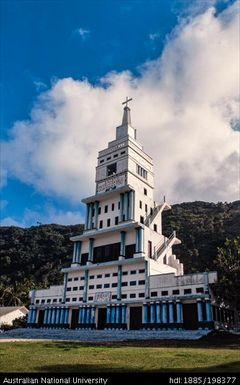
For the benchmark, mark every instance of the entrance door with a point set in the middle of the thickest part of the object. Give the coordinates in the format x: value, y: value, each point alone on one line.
x: 102, y: 313
x: 190, y: 320
x: 40, y: 317
x: 135, y: 317
x: 74, y: 320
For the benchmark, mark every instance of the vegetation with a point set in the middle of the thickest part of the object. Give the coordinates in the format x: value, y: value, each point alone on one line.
x: 153, y: 356
x: 33, y: 257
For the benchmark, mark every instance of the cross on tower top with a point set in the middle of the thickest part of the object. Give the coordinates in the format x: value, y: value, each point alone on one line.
x: 126, y: 101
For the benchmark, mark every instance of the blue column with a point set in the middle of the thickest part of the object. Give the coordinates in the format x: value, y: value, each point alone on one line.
x: 96, y: 205
x: 66, y: 316
x: 85, y: 287
x: 164, y: 311
x: 57, y: 321
x: 131, y: 204
x: 199, y: 311
x: 141, y: 240
x: 137, y: 240
x: 74, y: 252
x: 45, y: 316
x: 126, y: 204
x: 90, y: 216
x: 65, y: 287
x: 124, y: 314
x: 88, y: 316
x: 119, y: 283
x: 113, y: 314
x: 121, y: 206
x: 80, y: 315
x: 118, y: 314
x: 147, y: 286
x: 90, y: 253
x: 152, y: 313
x: 122, y: 245
x: 158, y: 312
x: 78, y: 252
x: 179, y: 312
x: 108, y: 314
x: 171, y: 315
x: 53, y: 316
x: 49, y: 316
x: 87, y: 217
x: 29, y: 318
x: 209, y: 311
x: 145, y: 313
x: 62, y: 316
x: 92, y: 315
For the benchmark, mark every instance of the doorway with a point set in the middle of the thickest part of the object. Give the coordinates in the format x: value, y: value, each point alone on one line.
x: 102, y: 313
x: 135, y: 317
x: 40, y: 317
x: 74, y: 319
x: 190, y: 320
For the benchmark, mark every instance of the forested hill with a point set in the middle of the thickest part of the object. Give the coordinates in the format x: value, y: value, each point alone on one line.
x: 33, y: 257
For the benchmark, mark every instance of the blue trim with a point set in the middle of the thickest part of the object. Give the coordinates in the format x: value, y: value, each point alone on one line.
x: 57, y: 315
x: 171, y: 314
x: 209, y: 311
x: 145, y: 313
x: 96, y: 205
x: 88, y: 315
x: 199, y: 311
x: 126, y: 204
x: 108, y: 314
x: 85, y: 286
x: 90, y: 255
x: 113, y: 314
x: 118, y: 314
x: 179, y: 312
x: 164, y: 311
x: 119, y: 283
x: 66, y: 316
x: 152, y: 313
x: 123, y: 243
x: 124, y: 314
x: 45, y: 316
x: 65, y: 286
x: 92, y: 316
x: 158, y: 313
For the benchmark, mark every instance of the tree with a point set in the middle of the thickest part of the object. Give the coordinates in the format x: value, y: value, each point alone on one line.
x: 228, y: 265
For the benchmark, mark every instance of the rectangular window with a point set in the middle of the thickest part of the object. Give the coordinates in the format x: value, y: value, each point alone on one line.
x: 125, y: 273
x: 91, y: 287
x: 114, y: 284
x: 141, y: 295
x: 80, y: 298
x: 115, y: 274
x: 98, y: 286
x: 101, y: 161
x: 107, y: 275
x: 133, y: 295
x: 74, y: 299
x: 145, y: 191
x: 91, y: 277
x: 81, y: 287
x: 68, y: 300
x: 37, y: 300
x: 122, y: 152
x: 133, y: 272
x: 82, y: 278
x: 99, y: 210
x: 111, y: 169
x: 116, y: 220
x: 106, y: 285
x: 141, y: 271
x: 75, y: 288
x: 141, y: 219
x: 100, y: 224
x: 199, y: 290
x: 106, y: 209
x: 124, y: 283
x: 141, y: 282
x: 99, y: 276
x: 109, y: 157
x: 124, y: 296
x: 133, y: 283
x: 142, y: 172
x: 114, y: 296
x: 118, y: 205
x: 175, y: 292
x: 154, y: 294
x: 155, y: 227
x: 164, y: 293
x: 90, y: 298
x: 76, y: 279
x: 140, y: 204
x: 69, y: 288
x: 145, y: 208
x: 115, y: 155
x: 69, y: 279
x: 108, y: 222
x: 49, y: 300
x: 187, y: 291
x: 112, y: 206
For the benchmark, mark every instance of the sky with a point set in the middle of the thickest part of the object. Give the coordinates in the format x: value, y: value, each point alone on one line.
x: 67, y: 65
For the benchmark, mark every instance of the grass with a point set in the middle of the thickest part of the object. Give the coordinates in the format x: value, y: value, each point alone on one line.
x: 153, y: 356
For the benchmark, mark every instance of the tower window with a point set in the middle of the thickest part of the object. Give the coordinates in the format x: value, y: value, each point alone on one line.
x: 140, y: 204
x: 116, y: 220
x: 108, y: 222
x: 141, y: 219
x: 109, y: 157
x: 145, y: 191
x: 122, y: 152
x: 146, y: 208
x: 99, y: 210
x: 115, y: 155
x: 106, y: 209
x: 111, y: 169
x: 118, y: 205
x: 112, y: 206
x: 101, y: 161
x: 142, y: 172
x: 100, y: 224
x: 155, y: 227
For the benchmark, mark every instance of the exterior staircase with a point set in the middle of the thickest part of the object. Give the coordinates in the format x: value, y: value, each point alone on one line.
x: 162, y: 249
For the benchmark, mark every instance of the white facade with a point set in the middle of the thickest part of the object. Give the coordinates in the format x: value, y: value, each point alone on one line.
x: 124, y: 272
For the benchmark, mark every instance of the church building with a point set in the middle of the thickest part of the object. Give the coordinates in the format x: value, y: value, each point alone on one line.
x: 124, y: 274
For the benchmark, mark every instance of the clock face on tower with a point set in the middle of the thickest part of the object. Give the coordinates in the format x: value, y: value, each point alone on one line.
x: 112, y: 183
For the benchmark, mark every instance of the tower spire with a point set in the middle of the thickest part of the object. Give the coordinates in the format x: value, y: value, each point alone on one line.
x: 126, y: 113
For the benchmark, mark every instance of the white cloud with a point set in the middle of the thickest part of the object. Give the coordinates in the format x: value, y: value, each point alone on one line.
x: 83, y: 33
x: 44, y: 215
x: 184, y: 105
x: 3, y: 204
x: 153, y: 36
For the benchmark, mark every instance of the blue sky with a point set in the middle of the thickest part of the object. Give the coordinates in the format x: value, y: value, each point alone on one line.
x: 44, y: 43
